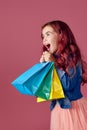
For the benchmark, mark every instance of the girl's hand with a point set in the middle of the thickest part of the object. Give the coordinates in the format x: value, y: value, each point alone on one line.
x: 42, y: 59
x: 46, y: 56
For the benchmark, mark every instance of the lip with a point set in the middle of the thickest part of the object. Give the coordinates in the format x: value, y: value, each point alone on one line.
x: 48, y: 47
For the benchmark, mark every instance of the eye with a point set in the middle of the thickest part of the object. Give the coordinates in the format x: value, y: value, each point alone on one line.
x: 48, y: 34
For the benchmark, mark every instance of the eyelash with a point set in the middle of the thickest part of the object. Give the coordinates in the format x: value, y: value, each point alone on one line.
x: 44, y: 36
x: 48, y: 34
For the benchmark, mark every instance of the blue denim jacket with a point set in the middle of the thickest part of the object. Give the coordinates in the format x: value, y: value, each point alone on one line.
x: 71, y: 87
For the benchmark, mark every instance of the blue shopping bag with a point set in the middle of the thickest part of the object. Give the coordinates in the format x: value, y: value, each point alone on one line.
x: 35, y: 78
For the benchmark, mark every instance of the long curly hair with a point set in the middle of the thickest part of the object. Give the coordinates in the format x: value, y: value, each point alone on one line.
x: 68, y: 53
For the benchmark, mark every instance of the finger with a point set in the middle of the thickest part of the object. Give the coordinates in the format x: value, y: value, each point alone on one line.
x: 45, y: 52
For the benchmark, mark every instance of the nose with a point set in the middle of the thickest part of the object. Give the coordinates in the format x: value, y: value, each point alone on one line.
x: 44, y: 40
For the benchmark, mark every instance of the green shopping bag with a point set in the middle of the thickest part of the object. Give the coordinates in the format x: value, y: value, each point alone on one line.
x: 45, y: 87
x: 56, y: 88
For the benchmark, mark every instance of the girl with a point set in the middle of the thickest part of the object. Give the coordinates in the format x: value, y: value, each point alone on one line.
x: 59, y: 46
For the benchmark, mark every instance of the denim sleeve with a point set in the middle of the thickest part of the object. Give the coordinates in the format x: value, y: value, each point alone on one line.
x: 69, y: 83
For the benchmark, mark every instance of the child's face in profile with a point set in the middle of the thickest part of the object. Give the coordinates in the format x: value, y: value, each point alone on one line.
x: 50, y: 39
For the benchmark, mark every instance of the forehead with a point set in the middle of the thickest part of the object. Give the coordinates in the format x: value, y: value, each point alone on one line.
x: 47, y: 29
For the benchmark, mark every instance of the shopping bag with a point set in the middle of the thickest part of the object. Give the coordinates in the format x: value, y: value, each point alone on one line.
x: 56, y: 89
x: 45, y: 87
x: 34, y: 78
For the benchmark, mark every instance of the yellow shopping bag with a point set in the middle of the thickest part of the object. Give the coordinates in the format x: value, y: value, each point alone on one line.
x: 56, y: 89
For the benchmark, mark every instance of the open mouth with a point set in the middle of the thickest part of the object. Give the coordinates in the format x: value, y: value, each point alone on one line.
x: 48, y: 46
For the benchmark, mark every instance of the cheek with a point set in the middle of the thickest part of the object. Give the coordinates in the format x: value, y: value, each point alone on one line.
x: 56, y: 42
x: 55, y: 45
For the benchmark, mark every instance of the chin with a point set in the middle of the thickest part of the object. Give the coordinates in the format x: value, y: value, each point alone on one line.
x: 52, y: 52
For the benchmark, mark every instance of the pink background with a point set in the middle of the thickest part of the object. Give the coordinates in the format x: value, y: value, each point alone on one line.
x: 20, y: 48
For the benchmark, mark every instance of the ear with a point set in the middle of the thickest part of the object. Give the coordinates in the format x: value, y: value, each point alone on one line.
x: 63, y: 38
x: 60, y: 36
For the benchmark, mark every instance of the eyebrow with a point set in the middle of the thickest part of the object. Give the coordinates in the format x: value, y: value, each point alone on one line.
x: 46, y: 33
x: 49, y: 32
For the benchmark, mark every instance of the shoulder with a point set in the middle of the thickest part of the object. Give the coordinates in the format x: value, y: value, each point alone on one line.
x: 79, y: 68
x: 73, y: 71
